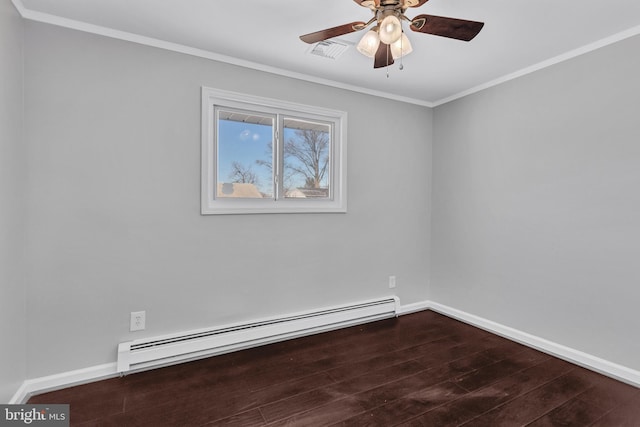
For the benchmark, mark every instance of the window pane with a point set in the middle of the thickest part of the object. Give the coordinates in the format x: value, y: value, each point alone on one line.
x: 245, y: 155
x: 307, y: 165
x: 262, y: 155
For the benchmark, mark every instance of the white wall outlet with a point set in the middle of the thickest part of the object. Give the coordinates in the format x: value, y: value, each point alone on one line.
x: 392, y: 282
x: 138, y: 321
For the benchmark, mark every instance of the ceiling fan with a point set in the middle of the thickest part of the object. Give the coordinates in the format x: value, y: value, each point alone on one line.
x: 387, y: 41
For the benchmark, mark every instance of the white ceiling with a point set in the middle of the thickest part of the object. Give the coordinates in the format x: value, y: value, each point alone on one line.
x: 518, y: 36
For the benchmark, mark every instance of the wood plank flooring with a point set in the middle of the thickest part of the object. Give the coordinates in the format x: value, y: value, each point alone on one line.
x: 422, y: 369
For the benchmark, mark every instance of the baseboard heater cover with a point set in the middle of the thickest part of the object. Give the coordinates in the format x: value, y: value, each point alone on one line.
x: 169, y: 349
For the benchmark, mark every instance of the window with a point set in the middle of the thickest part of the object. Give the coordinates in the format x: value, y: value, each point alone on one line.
x: 262, y: 155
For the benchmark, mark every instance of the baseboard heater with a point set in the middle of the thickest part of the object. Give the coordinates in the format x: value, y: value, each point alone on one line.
x: 170, y: 349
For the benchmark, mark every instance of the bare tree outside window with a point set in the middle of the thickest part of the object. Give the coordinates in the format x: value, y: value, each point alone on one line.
x: 243, y: 174
x: 307, y: 155
x: 306, y: 159
x: 307, y: 164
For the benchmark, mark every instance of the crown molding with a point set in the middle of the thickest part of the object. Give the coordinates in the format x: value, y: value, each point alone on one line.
x: 544, y: 64
x: 201, y: 53
x: 46, y: 18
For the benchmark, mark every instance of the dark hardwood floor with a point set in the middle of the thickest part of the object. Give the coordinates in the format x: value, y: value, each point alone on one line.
x: 422, y: 369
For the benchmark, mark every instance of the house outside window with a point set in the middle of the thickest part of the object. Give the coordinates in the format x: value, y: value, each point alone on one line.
x: 261, y: 155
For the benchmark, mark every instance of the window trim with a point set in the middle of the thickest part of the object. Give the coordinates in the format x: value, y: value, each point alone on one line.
x: 210, y: 205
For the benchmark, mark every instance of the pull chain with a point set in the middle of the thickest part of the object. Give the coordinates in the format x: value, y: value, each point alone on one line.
x: 401, y: 67
x: 388, y: 49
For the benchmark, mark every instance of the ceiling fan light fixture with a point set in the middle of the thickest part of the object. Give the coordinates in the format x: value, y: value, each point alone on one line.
x: 402, y: 47
x: 386, y: 41
x: 390, y: 29
x: 368, y: 45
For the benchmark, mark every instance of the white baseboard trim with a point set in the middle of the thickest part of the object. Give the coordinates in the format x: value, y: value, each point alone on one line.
x: 605, y: 367
x: 412, y: 308
x: 63, y: 380
x: 96, y: 373
x: 20, y: 396
x: 610, y: 369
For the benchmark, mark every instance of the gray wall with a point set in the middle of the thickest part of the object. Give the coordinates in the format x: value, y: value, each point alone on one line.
x: 12, y: 204
x: 535, y: 223
x: 536, y: 203
x: 114, y: 151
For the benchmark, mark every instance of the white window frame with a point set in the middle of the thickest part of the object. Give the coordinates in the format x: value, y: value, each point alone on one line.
x: 211, y: 205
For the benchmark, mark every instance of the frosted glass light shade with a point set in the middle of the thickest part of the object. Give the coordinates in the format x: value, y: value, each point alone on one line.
x: 401, y: 47
x: 369, y: 43
x: 390, y: 29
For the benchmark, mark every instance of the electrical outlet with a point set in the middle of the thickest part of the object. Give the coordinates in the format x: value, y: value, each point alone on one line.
x: 392, y: 282
x: 138, y: 321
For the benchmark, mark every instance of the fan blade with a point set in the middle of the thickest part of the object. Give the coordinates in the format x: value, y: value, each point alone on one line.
x: 341, y: 30
x: 383, y: 56
x: 459, y: 29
